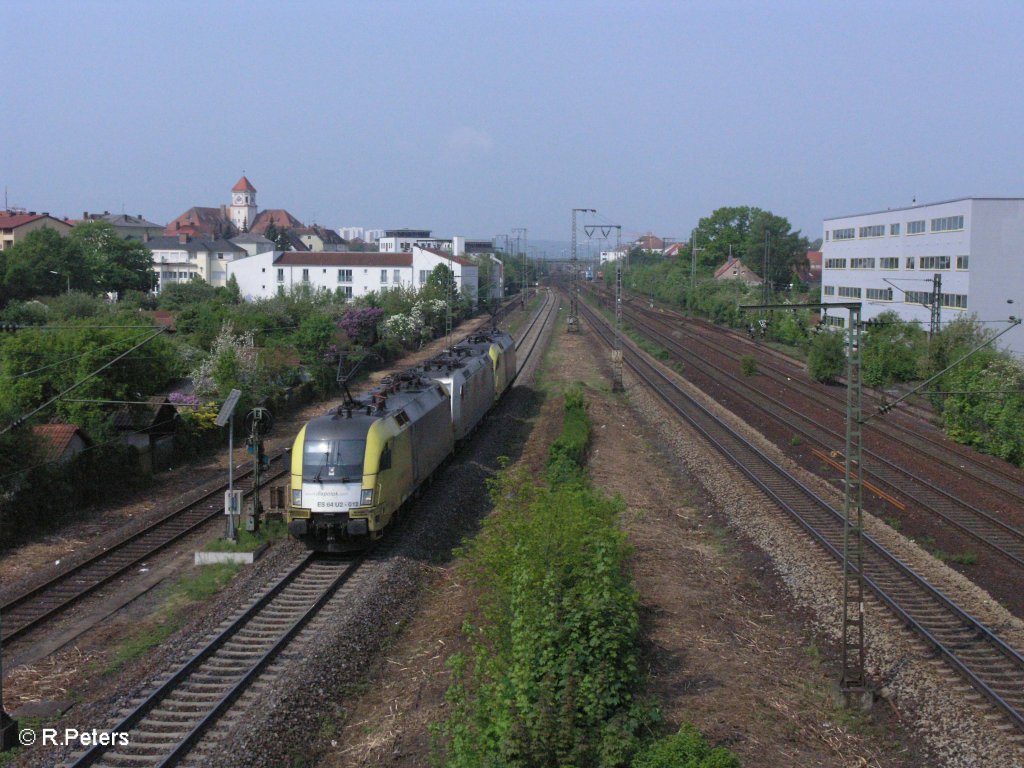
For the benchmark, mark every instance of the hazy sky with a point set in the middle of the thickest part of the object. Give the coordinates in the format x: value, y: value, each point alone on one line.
x: 476, y: 117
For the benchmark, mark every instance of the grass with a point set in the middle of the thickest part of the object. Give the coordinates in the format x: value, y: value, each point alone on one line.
x: 894, y: 523
x: 249, y: 541
x: 188, y: 590
x: 796, y: 440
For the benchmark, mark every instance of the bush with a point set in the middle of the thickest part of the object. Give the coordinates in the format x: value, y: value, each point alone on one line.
x: 552, y: 675
x: 686, y: 749
x: 826, y: 357
x: 748, y: 365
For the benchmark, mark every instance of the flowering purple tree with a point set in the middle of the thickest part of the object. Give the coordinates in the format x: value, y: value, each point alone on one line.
x: 361, y: 324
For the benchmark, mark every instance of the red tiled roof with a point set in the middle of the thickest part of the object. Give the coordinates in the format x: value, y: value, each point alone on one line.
x: 344, y: 259
x: 10, y: 220
x: 243, y: 185
x: 279, y: 217
x: 814, y: 258
x: 200, y: 221
x: 58, y: 437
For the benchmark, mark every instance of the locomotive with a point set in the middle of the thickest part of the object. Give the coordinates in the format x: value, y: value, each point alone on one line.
x: 353, y: 469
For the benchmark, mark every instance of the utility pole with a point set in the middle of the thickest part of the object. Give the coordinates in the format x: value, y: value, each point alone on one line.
x: 936, y: 307
x: 852, y: 683
x: 693, y: 259
x: 573, y: 322
x: 522, y: 262
x: 617, y: 385
x: 766, y: 286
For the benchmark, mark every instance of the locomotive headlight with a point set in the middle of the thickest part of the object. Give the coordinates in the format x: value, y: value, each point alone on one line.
x: 366, y: 499
x: 296, y: 497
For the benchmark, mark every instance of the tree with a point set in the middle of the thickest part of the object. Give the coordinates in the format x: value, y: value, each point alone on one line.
x: 44, y: 264
x: 891, y: 350
x: 826, y: 356
x: 115, y: 264
x: 278, y: 236
x: 741, y: 231
x: 441, y: 283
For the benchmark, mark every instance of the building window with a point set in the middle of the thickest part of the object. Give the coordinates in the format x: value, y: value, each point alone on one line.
x: 827, y: 233
x: 909, y: 264
x: 346, y: 291
x: 828, y: 290
x: 889, y: 262
x: 845, y: 234
x: 345, y: 276
x: 835, y: 322
x: 305, y: 275
x: 961, y: 262
x: 918, y: 297
x: 835, y: 263
x: 280, y: 275
x: 396, y: 278
x: 935, y: 262
x: 954, y: 300
x: 894, y: 229
x: 263, y: 270
x: 948, y: 224
x: 879, y: 294
x: 423, y: 276
x: 915, y: 227
x: 875, y: 230
x: 325, y: 271
x: 849, y: 291
x: 867, y: 262
x: 383, y: 276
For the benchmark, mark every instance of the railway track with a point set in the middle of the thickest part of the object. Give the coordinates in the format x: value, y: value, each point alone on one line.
x: 988, y: 472
x: 36, y: 606
x: 165, y: 727
x: 982, y: 526
x: 989, y: 664
x: 40, y: 604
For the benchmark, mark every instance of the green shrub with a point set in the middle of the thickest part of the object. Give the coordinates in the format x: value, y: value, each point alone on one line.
x: 551, y: 678
x: 748, y: 365
x: 686, y: 749
x: 826, y: 357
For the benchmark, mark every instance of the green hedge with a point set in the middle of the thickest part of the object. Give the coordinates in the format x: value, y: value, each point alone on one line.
x: 553, y: 672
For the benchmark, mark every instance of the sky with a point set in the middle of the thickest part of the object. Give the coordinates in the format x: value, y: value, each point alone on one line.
x: 473, y: 118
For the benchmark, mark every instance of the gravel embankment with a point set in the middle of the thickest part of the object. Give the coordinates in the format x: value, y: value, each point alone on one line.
x: 953, y: 720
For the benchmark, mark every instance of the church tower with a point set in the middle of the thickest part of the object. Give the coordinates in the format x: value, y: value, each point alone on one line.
x: 243, y: 204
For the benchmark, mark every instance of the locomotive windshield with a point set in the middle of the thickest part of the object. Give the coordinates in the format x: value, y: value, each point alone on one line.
x: 333, y: 460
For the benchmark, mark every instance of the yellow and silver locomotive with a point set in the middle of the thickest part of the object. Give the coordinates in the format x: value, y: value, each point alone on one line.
x: 354, y: 468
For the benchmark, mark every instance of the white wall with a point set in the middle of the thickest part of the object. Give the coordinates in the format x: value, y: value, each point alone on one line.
x: 261, y: 276
x: 992, y: 239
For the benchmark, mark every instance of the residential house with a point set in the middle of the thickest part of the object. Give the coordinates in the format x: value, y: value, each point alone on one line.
x: 179, y: 259
x: 14, y: 225
x: 734, y: 269
x: 128, y: 227
x: 352, y: 274
x: 62, y: 442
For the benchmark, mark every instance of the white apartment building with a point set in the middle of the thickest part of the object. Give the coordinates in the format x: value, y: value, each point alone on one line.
x: 888, y: 259
x: 353, y: 273
x: 179, y: 259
